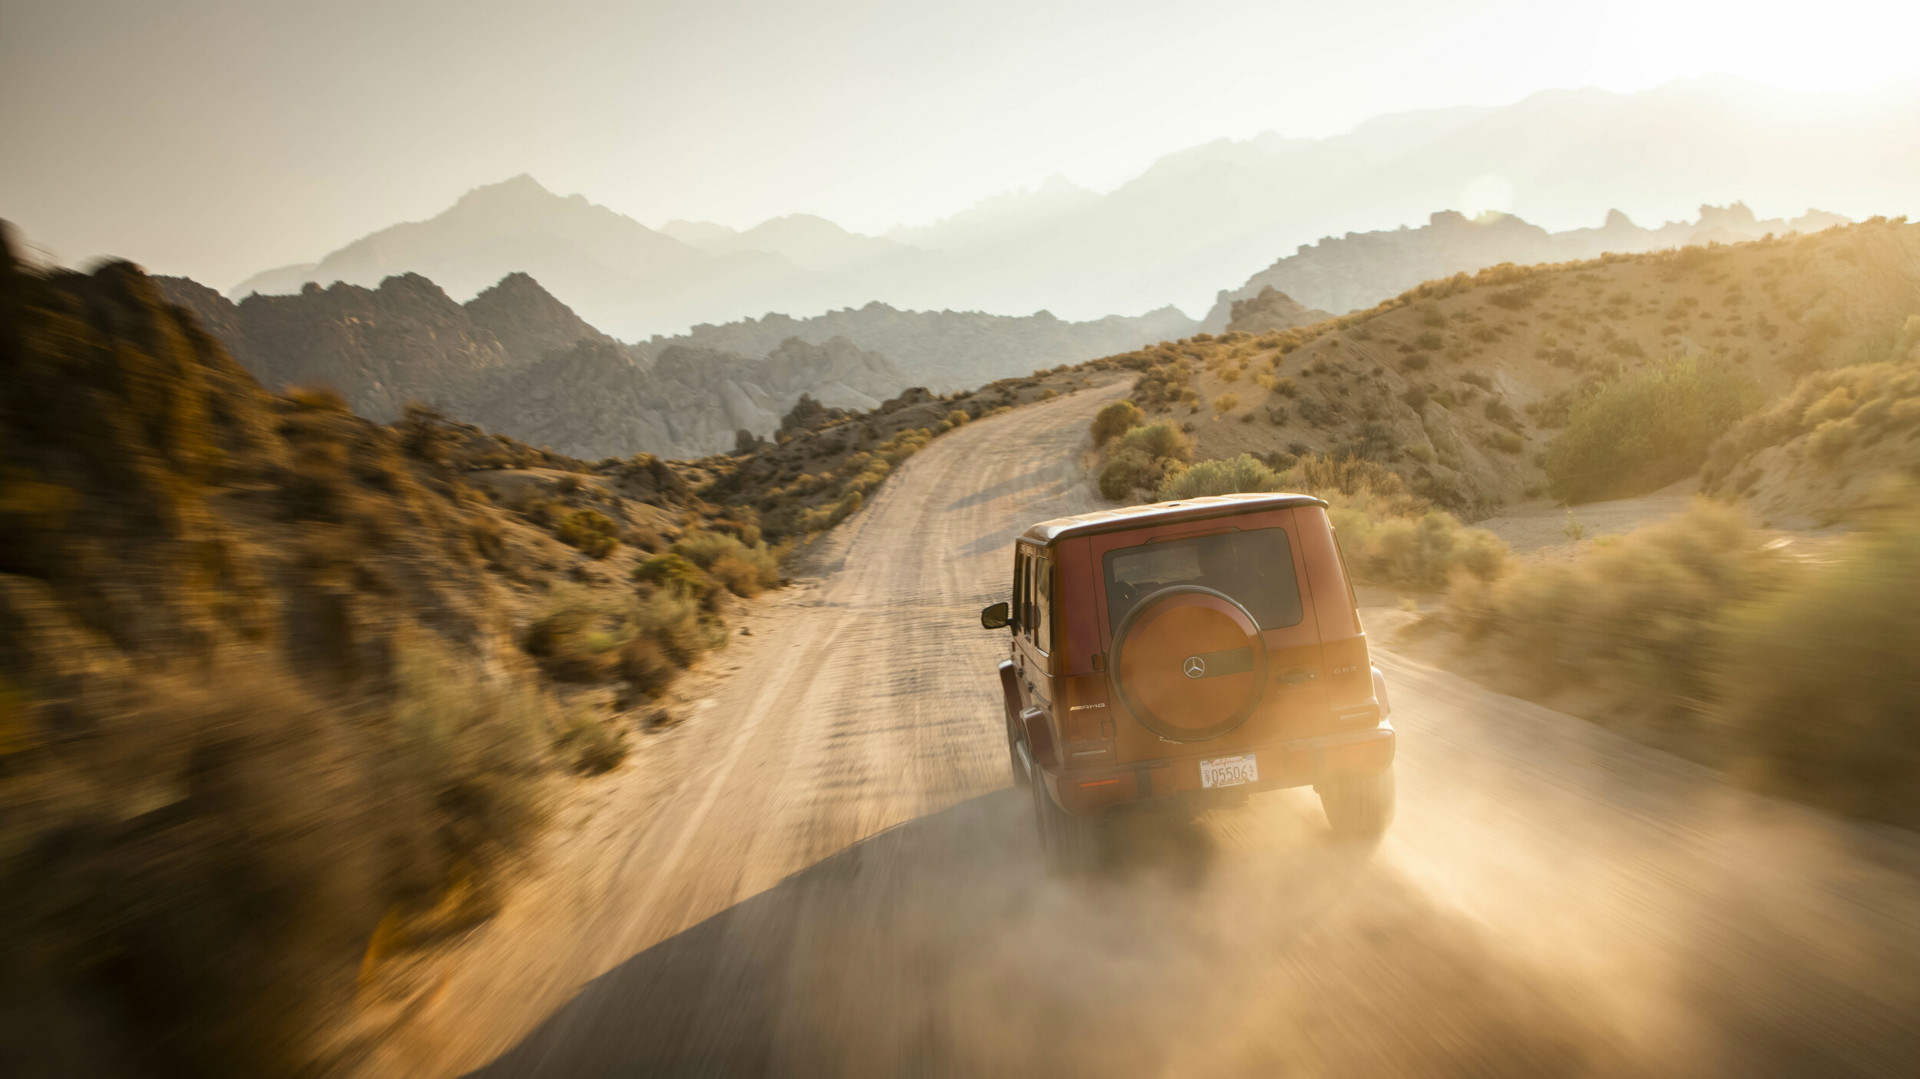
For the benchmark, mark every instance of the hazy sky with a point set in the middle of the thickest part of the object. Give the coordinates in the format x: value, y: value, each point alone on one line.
x: 220, y: 138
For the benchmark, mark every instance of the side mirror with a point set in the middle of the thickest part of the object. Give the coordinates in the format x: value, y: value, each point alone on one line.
x: 998, y: 616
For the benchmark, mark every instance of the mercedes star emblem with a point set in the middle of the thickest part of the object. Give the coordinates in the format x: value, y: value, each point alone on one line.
x: 1195, y: 667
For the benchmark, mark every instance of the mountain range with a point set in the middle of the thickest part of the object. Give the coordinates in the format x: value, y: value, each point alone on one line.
x: 1361, y: 269
x: 516, y: 360
x: 1192, y: 220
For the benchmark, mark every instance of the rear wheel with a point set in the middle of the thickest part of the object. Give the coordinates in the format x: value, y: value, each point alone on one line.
x: 1359, y: 807
x: 1071, y: 844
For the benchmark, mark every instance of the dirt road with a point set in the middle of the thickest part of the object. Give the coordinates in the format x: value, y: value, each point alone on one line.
x: 823, y: 872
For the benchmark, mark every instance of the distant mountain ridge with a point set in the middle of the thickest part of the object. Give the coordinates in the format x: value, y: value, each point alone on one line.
x: 619, y: 273
x: 947, y: 350
x: 1192, y: 220
x: 1360, y: 269
x: 518, y: 361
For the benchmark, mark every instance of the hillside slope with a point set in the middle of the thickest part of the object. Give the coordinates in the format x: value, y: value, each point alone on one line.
x: 1461, y: 384
x: 268, y: 687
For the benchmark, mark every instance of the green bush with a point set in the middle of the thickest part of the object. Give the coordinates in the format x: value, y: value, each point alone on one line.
x: 1115, y: 420
x: 1220, y: 477
x: 1644, y: 430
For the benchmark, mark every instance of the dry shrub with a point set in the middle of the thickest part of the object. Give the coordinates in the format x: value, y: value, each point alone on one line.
x: 590, y: 743
x: 646, y: 666
x: 1644, y: 430
x: 1142, y: 458
x: 593, y: 532
x: 1815, y: 682
x: 1711, y: 641
x: 1640, y: 614
x: 1114, y: 420
x: 1423, y: 552
x: 578, y: 638
x: 1220, y: 477
x: 1127, y: 471
x: 1389, y: 534
x: 673, y: 572
x: 209, y: 896
x: 1832, y: 410
x: 745, y: 570
x: 1159, y: 441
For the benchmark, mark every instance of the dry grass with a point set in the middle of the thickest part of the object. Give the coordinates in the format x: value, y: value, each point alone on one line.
x: 1703, y: 636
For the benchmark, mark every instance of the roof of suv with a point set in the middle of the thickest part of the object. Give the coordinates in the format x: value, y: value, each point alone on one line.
x: 1159, y: 513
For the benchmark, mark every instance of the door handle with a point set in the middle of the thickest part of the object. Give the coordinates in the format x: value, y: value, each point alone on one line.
x: 1298, y: 676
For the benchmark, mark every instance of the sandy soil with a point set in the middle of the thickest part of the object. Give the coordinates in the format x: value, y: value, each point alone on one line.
x: 824, y: 871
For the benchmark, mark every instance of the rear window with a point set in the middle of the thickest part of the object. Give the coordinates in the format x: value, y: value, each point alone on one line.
x: 1254, y: 567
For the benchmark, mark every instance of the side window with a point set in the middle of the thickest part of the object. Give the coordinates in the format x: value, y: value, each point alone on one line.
x: 1027, y: 613
x: 1017, y: 602
x: 1043, y: 603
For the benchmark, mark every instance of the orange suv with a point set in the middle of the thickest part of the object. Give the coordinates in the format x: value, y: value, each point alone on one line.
x: 1187, y: 651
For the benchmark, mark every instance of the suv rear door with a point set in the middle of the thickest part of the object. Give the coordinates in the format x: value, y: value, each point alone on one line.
x: 1294, y: 704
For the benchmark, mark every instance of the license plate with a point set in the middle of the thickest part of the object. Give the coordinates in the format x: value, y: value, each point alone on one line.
x: 1228, y: 771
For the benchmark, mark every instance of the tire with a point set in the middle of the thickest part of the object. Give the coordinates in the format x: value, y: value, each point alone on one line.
x: 1014, y: 768
x: 1359, y: 808
x: 1071, y: 844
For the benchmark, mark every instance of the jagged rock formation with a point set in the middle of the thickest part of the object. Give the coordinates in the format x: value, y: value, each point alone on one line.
x: 527, y: 320
x: 948, y: 350
x: 594, y: 400
x: 1360, y: 269
x: 1271, y: 309
x: 516, y: 360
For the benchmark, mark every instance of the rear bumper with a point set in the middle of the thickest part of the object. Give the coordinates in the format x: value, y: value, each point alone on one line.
x: 1295, y: 763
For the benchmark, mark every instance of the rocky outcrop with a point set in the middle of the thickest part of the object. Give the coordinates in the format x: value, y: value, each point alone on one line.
x: 594, y: 400
x: 1360, y: 269
x: 1272, y: 310
x: 527, y: 320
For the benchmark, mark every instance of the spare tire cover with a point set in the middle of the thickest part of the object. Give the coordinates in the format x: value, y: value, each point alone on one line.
x: 1189, y: 663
